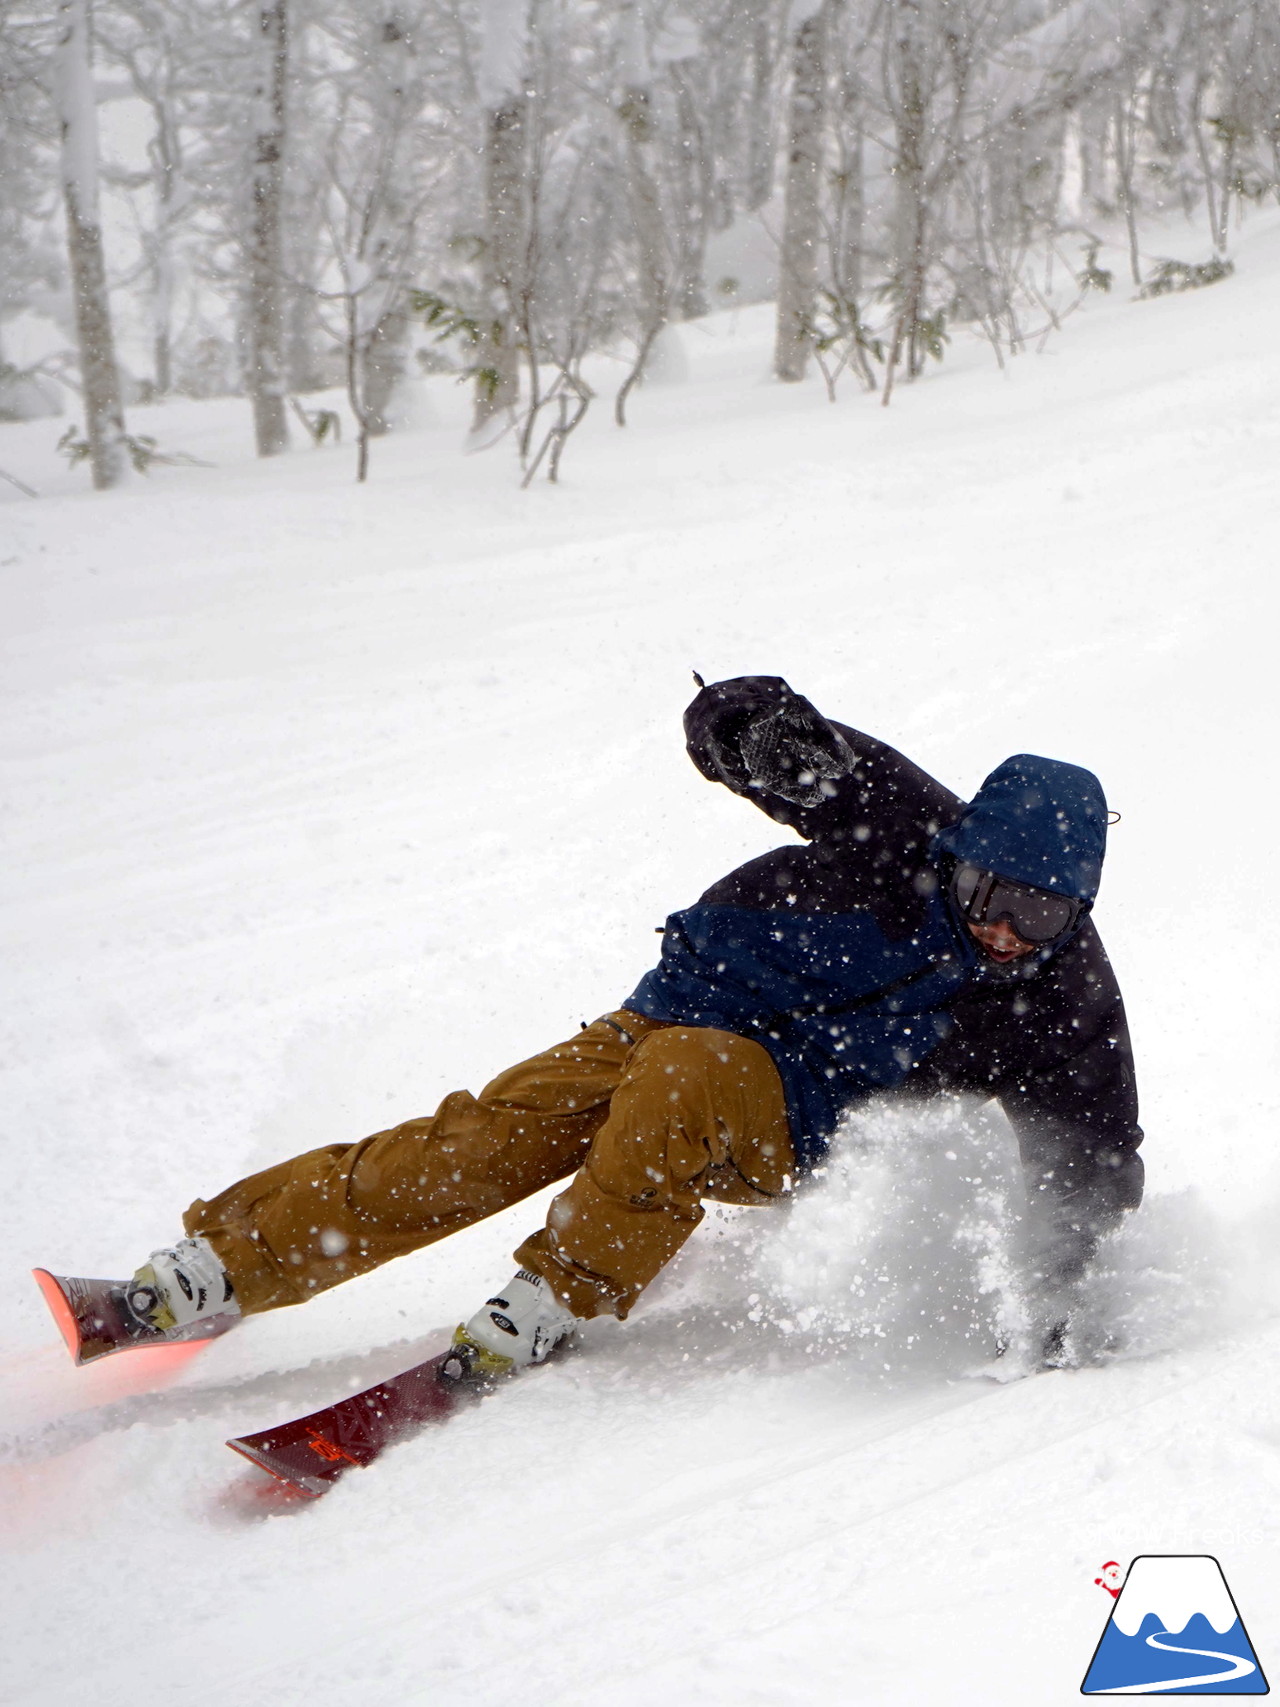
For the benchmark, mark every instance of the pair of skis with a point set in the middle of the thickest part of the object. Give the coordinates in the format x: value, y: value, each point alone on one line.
x: 310, y: 1453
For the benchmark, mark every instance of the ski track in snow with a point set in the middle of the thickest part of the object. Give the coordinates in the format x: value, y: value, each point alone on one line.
x: 322, y: 801
x: 884, y: 1455
x: 286, y: 1392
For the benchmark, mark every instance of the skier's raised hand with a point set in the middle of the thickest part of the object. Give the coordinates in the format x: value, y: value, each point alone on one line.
x: 756, y: 732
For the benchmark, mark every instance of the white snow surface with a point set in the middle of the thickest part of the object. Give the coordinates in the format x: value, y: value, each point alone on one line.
x: 323, y: 800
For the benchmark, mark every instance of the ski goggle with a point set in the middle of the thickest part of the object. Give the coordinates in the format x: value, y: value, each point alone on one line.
x: 1038, y: 915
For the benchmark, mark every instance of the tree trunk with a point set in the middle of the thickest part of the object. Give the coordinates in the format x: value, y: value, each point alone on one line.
x: 647, y: 223
x: 847, y: 261
x: 644, y: 202
x: 1202, y: 154
x: 505, y: 175
x: 694, y: 192
x: 266, y: 251
x: 165, y: 156
x: 910, y: 257
x: 1222, y: 229
x: 77, y: 116
x: 306, y: 364
x: 760, y: 114
x: 303, y: 370
x: 162, y: 312
x: 1126, y: 150
x: 1094, y: 119
x: 163, y: 359
x: 383, y: 365
x: 798, y: 269
x: 649, y: 235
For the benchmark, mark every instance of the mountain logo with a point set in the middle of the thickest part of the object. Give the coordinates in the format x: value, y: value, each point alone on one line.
x: 1174, y: 1630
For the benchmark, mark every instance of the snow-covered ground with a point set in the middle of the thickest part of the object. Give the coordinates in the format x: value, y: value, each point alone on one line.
x: 324, y: 800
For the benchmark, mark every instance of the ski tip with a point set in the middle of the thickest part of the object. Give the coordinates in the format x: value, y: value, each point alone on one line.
x: 310, y: 1486
x: 60, y: 1309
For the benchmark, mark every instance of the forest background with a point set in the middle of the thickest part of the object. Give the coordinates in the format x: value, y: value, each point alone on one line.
x: 298, y: 194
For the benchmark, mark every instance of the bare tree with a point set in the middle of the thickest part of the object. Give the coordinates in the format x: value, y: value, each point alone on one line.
x: 32, y: 265
x: 848, y: 214
x: 392, y: 209
x: 139, y: 36
x: 761, y: 144
x: 680, y: 49
x: 503, y: 81
x: 266, y: 374
x: 1124, y: 152
x: 644, y: 199
x: 910, y: 84
x: 77, y: 117
x: 372, y: 198
x: 544, y: 184
x: 802, y: 223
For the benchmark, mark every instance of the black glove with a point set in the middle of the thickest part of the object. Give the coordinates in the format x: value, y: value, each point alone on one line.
x: 792, y: 751
x: 755, y: 732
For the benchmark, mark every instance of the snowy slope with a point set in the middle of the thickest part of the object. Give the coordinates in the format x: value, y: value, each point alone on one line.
x: 321, y: 801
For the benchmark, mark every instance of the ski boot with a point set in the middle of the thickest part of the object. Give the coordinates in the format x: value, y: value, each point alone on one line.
x: 181, y: 1294
x: 181, y: 1286
x: 519, y: 1326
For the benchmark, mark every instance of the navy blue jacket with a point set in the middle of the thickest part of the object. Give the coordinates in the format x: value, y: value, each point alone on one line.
x: 845, y: 959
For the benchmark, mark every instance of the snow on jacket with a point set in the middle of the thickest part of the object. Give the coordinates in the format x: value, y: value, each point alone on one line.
x: 846, y: 960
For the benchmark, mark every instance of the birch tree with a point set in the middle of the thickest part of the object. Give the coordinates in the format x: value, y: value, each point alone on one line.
x: 547, y: 177
x: 848, y: 216
x: 392, y: 208
x: 679, y: 48
x: 78, y: 122
x: 373, y: 196
x: 139, y: 35
x: 802, y: 226
x: 503, y: 89
x: 266, y: 374
x: 651, y: 245
x: 31, y: 266
x: 758, y: 97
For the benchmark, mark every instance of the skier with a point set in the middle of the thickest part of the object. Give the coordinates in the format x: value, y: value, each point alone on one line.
x: 916, y: 945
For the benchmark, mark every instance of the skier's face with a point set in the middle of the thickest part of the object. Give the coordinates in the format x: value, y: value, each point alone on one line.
x: 1000, y: 941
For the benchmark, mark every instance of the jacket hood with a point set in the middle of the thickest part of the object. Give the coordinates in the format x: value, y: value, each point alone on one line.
x: 1037, y: 821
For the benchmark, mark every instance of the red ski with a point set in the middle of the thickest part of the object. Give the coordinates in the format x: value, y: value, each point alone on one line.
x: 314, y: 1451
x: 96, y: 1321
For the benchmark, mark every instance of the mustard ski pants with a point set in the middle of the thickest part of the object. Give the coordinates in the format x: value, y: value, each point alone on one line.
x: 649, y: 1118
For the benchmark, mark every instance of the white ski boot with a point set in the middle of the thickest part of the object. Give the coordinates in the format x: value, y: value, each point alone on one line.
x: 180, y: 1286
x: 522, y: 1324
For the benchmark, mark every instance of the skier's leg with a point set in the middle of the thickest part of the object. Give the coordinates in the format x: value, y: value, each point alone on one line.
x: 698, y: 1113
x: 323, y: 1217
